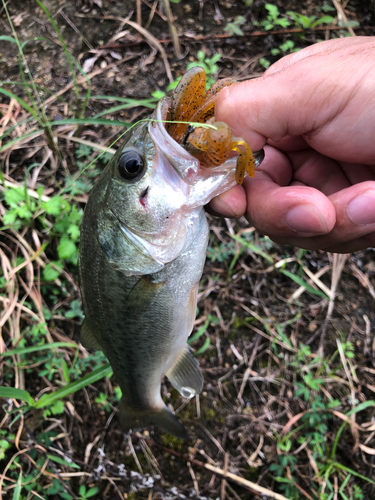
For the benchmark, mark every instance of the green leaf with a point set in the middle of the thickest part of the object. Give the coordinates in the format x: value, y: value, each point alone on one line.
x: 21, y: 138
x: 273, y: 10
x: 27, y: 350
x: 267, y: 26
x: 10, y: 217
x: 361, y: 407
x: 93, y: 491
x: 65, y: 371
x: 94, y: 121
x: 263, y: 61
x: 312, y: 382
x: 11, y: 392
x: 17, y: 489
x: 305, y: 285
x: 288, y: 45
x: 199, y: 333
x: 54, y: 205
x: 216, y: 57
x: 328, y: 8
x: 282, y: 21
x: 13, y: 196
x: 158, y: 94
x: 66, y: 248
x: 77, y: 385
x: 73, y: 231
x: 75, y: 310
x: 254, y: 248
x: 8, y: 39
x: 20, y: 101
x: 233, y: 29
x: 57, y: 408
x: 203, y: 348
x: 50, y: 273
x: 24, y: 212
x: 323, y: 20
x: 62, y: 461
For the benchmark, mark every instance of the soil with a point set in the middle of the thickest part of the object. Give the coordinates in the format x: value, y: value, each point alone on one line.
x: 224, y: 429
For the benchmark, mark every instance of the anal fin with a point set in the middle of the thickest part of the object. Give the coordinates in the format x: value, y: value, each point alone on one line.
x: 185, y: 374
x: 87, y: 337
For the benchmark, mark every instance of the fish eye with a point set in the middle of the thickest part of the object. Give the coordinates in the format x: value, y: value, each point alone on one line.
x: 131, y: 165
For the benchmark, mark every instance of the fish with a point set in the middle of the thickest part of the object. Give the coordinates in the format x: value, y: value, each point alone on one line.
x: 143, y: 246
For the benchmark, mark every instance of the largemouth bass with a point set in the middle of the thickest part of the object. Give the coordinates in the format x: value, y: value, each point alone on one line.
x: 143, y: 246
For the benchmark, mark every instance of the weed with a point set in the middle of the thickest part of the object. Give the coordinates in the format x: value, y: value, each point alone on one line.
x: 108, y: 402
x: 208, y: 64
x: 273, y: 19
x: 55, y: 217
x: 307, y: 22
x: 234, y: 28
x: 264, y: 62
x: 312, y: 432
x: 87, y: 493
x: 284, y: 48
x: 5, y: 444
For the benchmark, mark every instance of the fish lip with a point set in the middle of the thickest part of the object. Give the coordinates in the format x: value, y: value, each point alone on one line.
x: 184, y: 163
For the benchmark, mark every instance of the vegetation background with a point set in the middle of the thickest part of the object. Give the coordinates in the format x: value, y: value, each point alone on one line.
x: 284, y: 336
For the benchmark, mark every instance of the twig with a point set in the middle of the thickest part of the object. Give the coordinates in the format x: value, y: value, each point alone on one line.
x: 74, y: 27
x: 255, y: 488
x: 172, y: 29
x: 249, y: 485
x: 337, y: 267
x: 91, y: 75
x: 194, y: 478
x: 223, y: 493
x: 139, y: 13
x: 155, y: 43
x: 150, y: 38
x: 342, y: 16
x: 221, y: 36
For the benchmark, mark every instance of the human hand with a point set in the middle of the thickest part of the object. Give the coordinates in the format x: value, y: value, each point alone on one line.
x: 315, y: 110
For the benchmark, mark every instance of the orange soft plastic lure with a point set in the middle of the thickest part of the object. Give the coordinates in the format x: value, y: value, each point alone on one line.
x: 212, y: 146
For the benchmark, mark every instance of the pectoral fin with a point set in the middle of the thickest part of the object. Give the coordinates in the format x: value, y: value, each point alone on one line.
x: 185, y: 374
x: 88, y: 339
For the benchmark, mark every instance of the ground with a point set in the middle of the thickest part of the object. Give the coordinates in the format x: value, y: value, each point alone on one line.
x: 288, y: 399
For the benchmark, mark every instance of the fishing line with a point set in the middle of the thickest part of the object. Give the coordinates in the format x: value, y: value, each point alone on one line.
x: 192, y: 125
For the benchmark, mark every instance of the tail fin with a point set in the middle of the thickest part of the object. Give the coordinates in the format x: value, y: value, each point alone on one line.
x: 163, y: 418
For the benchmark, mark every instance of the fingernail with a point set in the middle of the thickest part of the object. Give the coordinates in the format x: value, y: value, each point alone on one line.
x: 306, y: 219
x: 222, y: 209
x: 361, y: 210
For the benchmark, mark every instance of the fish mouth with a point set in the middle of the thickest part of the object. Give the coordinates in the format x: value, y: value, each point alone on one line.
x: 185, y: 164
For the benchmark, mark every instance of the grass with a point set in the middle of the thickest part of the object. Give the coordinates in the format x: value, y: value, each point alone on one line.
x: 279, y: 404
